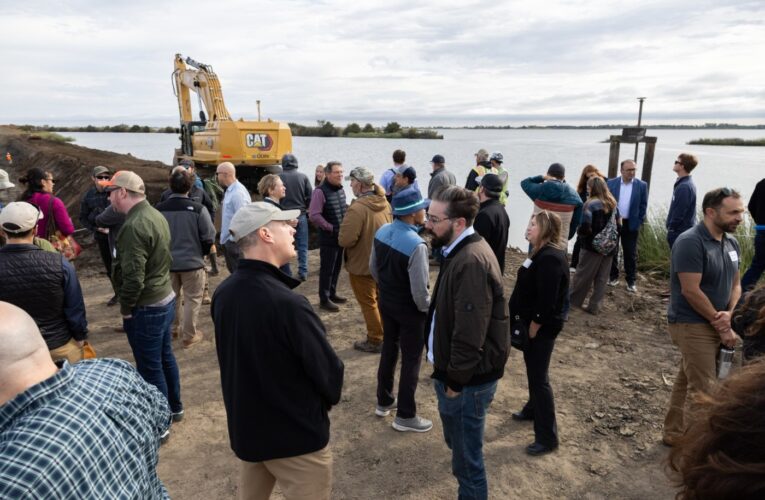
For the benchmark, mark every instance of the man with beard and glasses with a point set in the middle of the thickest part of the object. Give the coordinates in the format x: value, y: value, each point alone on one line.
x: 467, y: 329
x: 704, y: 283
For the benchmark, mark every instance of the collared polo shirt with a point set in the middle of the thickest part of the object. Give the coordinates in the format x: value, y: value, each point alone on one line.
x: 696, y: 251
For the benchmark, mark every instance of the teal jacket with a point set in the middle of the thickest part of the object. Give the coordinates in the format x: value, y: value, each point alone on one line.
x: 141, y: 270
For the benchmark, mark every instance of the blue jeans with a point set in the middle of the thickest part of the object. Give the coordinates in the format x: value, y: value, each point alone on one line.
x: 463, y: 421
x: 301, y: 241
x: 752, y: 275
x: 150, y: 338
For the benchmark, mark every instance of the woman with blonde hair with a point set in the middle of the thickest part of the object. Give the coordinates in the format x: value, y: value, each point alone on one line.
x: 599, y: 215
x: 273, y: 191
x: 589, y: 171
x: 537, y: 303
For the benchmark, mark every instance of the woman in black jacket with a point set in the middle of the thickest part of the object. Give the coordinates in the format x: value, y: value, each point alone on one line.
x: 588, y: 172
x: 537, y: 299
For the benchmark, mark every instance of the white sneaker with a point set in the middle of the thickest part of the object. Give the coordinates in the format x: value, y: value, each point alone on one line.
x: 632, y: 288
x: 414, y: 424
x: 572, y: 270
x: 613, y: 282
x: 384, y: 411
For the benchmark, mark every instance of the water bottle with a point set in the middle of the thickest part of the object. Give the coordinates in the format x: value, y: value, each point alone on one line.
x: 724, y: 361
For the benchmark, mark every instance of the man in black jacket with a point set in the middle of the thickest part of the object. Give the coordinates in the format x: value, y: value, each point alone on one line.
x: 298, y: 197
x: 467, y: 332
x: 279, y: 374
x: 757, y: 210
x: 492, y: 221
x: 44, y: 284
x: 92, y: 204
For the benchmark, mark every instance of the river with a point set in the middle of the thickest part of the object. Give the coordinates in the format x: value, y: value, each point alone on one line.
x: 527, y: 152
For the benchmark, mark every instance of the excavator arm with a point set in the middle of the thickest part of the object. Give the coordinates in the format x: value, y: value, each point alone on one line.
x: 192, y: 76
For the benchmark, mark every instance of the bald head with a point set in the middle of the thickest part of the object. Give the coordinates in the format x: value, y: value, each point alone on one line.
x: 226, y: 173
x: 24, y: 357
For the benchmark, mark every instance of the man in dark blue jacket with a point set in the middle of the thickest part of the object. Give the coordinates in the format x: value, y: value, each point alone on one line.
x: 682, y: 210
x: 632, y: 198
x: 279, y: 374
x: 92, y: 204
x: 757, y: 210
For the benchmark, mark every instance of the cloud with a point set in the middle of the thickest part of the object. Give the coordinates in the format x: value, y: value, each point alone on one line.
x: 388, y: 60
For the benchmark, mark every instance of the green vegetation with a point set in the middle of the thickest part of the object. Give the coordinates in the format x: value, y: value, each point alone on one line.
x: 392, y: 130
x: 122, y: 128
x: 653, y: 254
x: 52, y: 136
x: 733, y: 141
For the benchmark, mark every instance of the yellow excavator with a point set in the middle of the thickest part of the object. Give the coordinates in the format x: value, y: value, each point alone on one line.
x: 254, y: 147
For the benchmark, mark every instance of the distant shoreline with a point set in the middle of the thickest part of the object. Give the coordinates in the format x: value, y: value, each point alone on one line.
x: 733, y: 141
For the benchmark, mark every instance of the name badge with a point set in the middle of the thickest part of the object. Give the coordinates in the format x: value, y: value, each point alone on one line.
x: 733, y: 256
x: 527, y: 263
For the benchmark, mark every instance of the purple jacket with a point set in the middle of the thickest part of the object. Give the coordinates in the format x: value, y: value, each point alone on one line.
x: 60, y: 215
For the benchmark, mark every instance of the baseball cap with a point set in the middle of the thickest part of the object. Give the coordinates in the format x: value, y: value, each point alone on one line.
x: 438, y: 159
x: 363, y: 175
x: 407, y: 171
x: 186, y: 163
x: 19, y: 217
x: 408, y: 201
x: 482, y: 153
x: 497, y: 156
x: 491, y: 183
x: 556, y: 170
x: 5, y: 182
x: 100, y: 170
x: 252, y: 217
x: 125, y: 179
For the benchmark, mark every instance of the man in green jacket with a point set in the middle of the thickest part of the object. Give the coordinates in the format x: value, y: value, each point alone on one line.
x: 141, y: 275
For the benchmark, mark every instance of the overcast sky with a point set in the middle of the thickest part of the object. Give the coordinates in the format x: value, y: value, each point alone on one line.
x: 418, y: 62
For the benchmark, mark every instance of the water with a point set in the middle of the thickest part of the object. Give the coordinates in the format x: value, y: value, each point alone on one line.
x: 526, y: 152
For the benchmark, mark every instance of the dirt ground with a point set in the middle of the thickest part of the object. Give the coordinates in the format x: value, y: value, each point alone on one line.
x: 611, y: 374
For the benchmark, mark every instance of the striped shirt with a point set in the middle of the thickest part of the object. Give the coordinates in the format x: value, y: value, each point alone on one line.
x: 90, y: 431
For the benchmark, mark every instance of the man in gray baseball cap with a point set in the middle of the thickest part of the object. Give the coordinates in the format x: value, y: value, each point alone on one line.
x: 274, y: 349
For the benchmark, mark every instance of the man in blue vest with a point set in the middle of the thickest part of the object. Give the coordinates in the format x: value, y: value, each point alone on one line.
x: 326, y: 212
x: 632, y: 198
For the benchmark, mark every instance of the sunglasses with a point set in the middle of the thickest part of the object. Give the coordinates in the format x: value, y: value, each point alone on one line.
x: 678, y: 162
x: 103, y: 177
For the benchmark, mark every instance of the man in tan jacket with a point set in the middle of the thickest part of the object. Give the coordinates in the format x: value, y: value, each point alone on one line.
x: 367, y: 213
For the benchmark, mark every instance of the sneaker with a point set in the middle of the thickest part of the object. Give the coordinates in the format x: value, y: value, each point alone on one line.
x: 177, y: 416
x: 367, y: 346
x: 384, y: 411
x: 164, y: 437
x: 338, y: 299
x: 187, y: 343
x: 302, y: 277
x: 206, y: 299
x: 329, y: 306
x: 572, y: 270
x: 613, y: 282
x: 632, y: 288
x: 113, y: 301
x: 414, y: 424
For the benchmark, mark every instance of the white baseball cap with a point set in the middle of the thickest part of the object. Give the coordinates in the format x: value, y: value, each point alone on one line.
x: 5, y: 182
x: 19, y: 217
x: 252, y: 217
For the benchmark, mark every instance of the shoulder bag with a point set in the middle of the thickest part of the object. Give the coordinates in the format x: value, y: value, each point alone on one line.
x: 65, y: 245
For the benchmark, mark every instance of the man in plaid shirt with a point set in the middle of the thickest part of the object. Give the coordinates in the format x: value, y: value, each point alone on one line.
x: 89, y: 430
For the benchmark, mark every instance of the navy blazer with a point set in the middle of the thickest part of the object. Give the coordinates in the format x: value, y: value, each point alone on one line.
x: 638, y: 202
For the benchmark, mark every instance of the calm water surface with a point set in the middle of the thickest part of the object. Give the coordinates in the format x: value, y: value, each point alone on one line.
x: 526, y: 152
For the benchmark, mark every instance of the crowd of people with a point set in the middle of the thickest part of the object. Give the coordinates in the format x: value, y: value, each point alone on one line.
x: 279, y: 374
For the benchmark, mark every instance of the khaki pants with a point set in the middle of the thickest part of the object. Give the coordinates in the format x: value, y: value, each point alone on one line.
x: 69, y: 351
x: 698, y: 344
x: 365, y: 290
x: 591, y: 272
x: 305, y: 477
x: 193, y: 284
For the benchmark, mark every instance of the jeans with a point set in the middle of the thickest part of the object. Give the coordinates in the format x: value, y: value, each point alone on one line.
x: 301, y: 241
x: 629, y: 247
x: 148, y: 333
x: 463, y: 419
x: 401, y: 329
x: 753, y: 274
x: 541, y: 405
x: 331, y: 257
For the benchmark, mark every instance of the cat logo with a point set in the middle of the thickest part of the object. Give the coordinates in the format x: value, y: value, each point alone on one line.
x: 262, y: 142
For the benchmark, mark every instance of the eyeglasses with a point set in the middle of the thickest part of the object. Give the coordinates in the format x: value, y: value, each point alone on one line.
x: 104, y: 177
x: 678, y: 162
x: 435, y: 220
